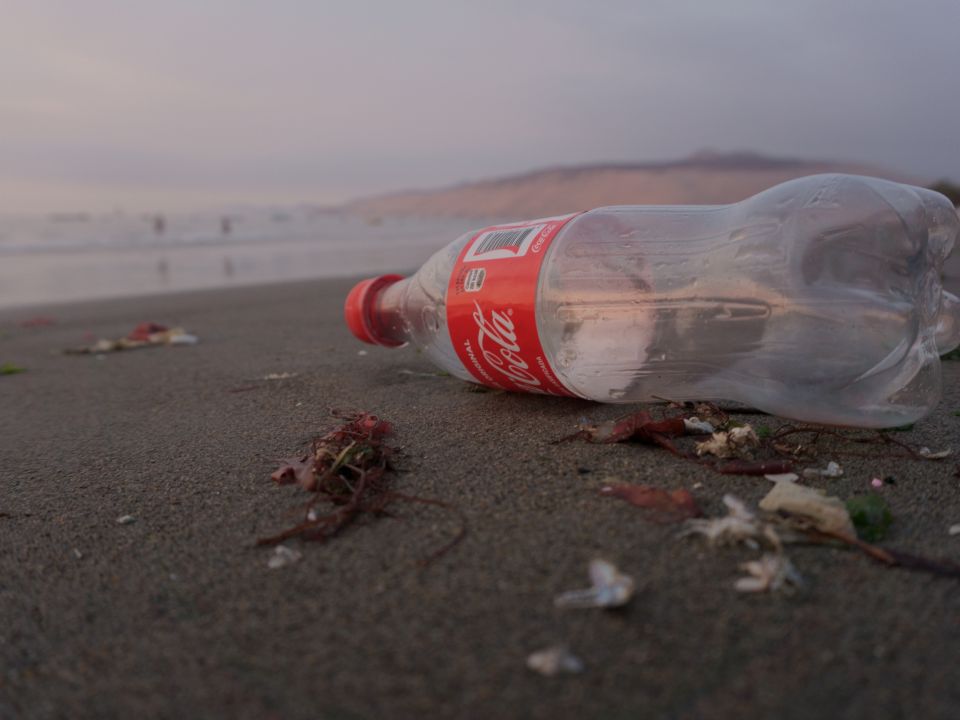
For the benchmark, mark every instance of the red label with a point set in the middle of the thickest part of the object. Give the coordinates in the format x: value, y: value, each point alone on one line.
x: 491, y: 306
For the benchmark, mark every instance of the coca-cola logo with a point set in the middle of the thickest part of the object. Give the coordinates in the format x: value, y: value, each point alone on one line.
x: 504, y: 355
x: 541, y: 238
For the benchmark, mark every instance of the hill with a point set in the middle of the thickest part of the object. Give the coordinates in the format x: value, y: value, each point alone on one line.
x: 703, y: 178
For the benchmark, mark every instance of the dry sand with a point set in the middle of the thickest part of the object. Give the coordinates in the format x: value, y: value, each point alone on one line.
x: 177, y: 615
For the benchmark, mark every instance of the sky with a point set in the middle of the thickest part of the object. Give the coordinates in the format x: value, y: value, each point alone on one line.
x: 179, y: 104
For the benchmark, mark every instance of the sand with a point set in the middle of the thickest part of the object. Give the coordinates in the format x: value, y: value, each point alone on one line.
x: 177, y: 614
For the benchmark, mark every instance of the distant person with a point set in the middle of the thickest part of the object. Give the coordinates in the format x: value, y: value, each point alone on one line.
x: 226, y: 225
x: 159, y: 224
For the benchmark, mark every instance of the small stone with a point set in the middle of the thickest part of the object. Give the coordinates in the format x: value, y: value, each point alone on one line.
x: 954, y: 529
x: 126, y: 520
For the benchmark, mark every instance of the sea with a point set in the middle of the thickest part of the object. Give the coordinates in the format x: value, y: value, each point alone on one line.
x: 77, y: 256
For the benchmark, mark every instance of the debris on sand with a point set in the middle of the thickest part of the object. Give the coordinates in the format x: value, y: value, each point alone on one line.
x: 144, y: 335
x: 803, y: 514
x: 283, y: 556
x: 739, y: 526
x: 554, y: 660
x: 668, y: 505
x: 755, y: 467
x: 609, y: 588
x: 770, y: 573
x: 738, y: 442
x: 639, y: 426
x: 126, y: 520
x: 696, y: 426
x: 279, y: 376
x: 349, y: 468
x: 832, y: 470
x: 11, y: 369
x: 827, y: 513
x: 782, y: 477
x: 928, y: 454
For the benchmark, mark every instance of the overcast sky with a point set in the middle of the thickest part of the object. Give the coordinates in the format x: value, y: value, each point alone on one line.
x: 161, y: 105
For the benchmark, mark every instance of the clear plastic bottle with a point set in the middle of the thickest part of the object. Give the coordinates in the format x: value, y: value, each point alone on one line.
x: 819, y: 299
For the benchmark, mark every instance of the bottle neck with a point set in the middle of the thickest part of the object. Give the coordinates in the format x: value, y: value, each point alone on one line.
x: 386, y: 315
x: 373, y: 318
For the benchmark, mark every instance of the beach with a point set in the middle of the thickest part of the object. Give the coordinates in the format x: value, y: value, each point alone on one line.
x: 177, y: 613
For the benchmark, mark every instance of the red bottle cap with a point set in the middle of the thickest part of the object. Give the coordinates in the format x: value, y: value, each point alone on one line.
x: 358, y: 310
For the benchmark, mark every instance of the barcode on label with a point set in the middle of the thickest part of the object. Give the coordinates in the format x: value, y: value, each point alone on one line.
x: 501, y: 239
x: 501, y: 244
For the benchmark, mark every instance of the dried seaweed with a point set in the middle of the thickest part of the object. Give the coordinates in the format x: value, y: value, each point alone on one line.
x: 639, y: 426
x: 350, y: 469
x: 776, y: 452
x: 889, y: 556
x: 668, y: 506
x: 754, y: 467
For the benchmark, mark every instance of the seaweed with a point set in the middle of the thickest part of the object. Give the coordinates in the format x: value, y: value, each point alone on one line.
x: 351, y: 469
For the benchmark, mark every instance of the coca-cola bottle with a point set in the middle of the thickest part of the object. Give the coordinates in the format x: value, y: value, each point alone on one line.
x: 819, y: 299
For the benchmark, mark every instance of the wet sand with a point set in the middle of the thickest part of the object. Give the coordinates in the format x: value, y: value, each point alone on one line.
x: 177, y: 614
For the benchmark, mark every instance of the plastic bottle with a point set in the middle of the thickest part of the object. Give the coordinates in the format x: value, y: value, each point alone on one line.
x: 819, y: 299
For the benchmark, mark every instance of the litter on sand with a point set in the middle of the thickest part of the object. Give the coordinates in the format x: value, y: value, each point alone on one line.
x: 739, y: 526
x: 928, y: 454
x: 144, y: 335
x: 738, y: 442
x: 832, y: 470
x: 609, y: 588
x: 283, y: 556
x: 783, y: 477
x: 827, y: 513
x: 554, y: 660
x: 696, y: 426
x: 126, y: 520
x: 954, y: 529
x: 770, y: 573
x: 803, y: 514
